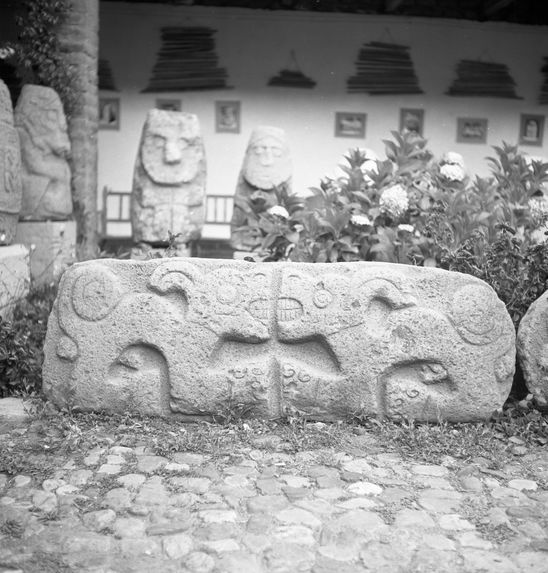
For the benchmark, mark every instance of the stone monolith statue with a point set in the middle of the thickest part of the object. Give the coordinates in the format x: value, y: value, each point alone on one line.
x: 267, y: 166
x: 45, y: 146
x: 169, y: 181
x: 10, y: 169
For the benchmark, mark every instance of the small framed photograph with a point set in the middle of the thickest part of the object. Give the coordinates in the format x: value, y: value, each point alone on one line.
x: 168, y: 104
x: 350, y: 124
x: 412, y: 121
x: 531, y: 130
x: 227, y: 116
x: 109, y: 113
x: 471, y: 130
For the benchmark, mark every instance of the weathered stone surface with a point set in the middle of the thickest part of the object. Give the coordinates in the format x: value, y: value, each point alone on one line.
x: 267, y: 165
x: 14, y: 277
x: 169, y: 180
x: 532, y: 344
x: 186, y: 338
x: 52, y: 246
x: 45, y: 146
x: 10, y: 170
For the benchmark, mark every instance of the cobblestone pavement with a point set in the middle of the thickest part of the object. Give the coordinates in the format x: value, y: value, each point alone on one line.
x: 119, y: 509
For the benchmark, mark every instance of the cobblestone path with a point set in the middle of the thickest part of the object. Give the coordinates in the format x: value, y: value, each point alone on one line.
x: 121, y: 509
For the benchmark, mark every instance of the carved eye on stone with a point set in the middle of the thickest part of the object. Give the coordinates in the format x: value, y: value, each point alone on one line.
x: 228, y: 294
x: 322, y: 298
x: 174, y: 276
x: 96, y: 293
x: 475, y: 314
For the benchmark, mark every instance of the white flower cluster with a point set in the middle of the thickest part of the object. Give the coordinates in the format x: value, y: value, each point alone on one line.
x: 279, y: 211
x: 452, y: 166
x: 6, y: 53
x: 394, y: 201
x: 361, y: 220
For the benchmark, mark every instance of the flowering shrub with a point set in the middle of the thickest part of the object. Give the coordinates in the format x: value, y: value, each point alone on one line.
x: 409, y: 208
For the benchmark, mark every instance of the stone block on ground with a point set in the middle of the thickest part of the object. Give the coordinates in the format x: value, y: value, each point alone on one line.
x: 14, y: 277
x: 193, y: 337
x: 532, y: 345
x: 52, y: 246
x: 12, y: 414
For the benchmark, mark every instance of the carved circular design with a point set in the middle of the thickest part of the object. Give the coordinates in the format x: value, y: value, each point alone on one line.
x: 475, y: 314
x: 322, y: 298
x: 227, y: 294
x: 95, y: 293
x: 304, y: 377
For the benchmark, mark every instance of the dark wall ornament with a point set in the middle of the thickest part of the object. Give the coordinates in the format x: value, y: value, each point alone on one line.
x: 106, y: 79
x: 292, y: 76
x: 543, y: 99
x: 382, y: 69
x: 187, y: 61
x: 476, y: 78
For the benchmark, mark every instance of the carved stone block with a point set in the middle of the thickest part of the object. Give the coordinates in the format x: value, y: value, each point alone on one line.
x: 532, y: 345
x: 191, y: 337
x: 52, y: 246
x: 169, y: 180
x: 10, y: 170
x: 45, y: 146
x: 14, y: 277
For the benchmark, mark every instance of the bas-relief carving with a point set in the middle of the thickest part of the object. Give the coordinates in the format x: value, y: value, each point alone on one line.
x: 277, y: 337
x: 169, y: 180
x: 267, y: 165
x: 10, y: 170
x: 45, y: 146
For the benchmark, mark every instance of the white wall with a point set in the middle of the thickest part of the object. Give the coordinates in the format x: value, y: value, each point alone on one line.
x: 254, y: 45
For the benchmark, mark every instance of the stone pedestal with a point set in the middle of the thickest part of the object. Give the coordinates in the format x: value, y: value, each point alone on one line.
x: 52, y: 246
x: 14, y: 277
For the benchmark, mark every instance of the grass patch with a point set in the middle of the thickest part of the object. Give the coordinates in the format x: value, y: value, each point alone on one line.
x: 40, y: 449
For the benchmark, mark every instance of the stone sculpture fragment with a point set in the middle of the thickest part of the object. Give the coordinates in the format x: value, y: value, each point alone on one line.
x: 189, y: 338
x: 169, y: 181
x: 267, y: 166
x: 45, y: 148
x: 10, y: 170
x: 532, y: 346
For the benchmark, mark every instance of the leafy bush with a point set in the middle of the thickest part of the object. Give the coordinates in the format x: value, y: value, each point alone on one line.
x: 21, y: 343
x: 38, y: 54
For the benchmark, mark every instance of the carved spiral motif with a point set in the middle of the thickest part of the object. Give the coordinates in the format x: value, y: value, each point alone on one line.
x: 96, y: 293
x: 476, y: 314
x: 322, y: 298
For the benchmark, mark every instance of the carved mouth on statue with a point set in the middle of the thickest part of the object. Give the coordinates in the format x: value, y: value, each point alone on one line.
x: 289, y: 309
x: 259, y: 308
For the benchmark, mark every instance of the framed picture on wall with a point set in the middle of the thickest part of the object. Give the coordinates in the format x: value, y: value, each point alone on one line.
x: 531, y: 129
x: 168, y: 104
x: 471, y: 130
x: 412, y: 120
x: 109, y: 113
x: 350, y: 124
x: 227, y: 116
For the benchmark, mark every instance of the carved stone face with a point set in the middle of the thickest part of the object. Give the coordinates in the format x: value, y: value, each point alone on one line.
x: 171, y: 147
x: 267, y: 163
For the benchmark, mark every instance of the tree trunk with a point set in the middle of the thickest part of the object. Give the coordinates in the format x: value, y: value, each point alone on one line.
x: 79, y: 36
